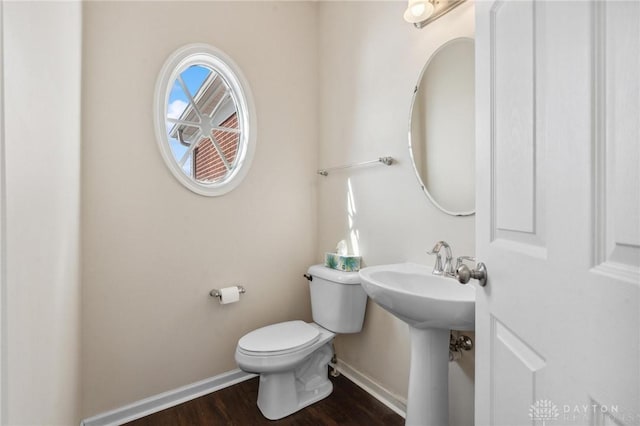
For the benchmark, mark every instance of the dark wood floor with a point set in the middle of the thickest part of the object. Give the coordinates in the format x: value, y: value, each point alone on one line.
x: 236, y: 405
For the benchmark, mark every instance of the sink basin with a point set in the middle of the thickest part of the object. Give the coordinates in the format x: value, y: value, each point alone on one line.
x: 431, y: 305
x: 412, y: 293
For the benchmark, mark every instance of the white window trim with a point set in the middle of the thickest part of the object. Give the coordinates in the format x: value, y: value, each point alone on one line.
x: 204, y: 54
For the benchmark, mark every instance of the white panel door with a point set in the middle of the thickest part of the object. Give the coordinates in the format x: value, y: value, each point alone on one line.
x: 558, y: 212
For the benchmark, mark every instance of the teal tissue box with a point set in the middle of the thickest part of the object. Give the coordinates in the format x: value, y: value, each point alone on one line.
x: 342, y: 263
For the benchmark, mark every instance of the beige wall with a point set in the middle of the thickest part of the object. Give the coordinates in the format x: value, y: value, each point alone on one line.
x: 370, y: 62
x: 152, y: 250
x: 41, y: 325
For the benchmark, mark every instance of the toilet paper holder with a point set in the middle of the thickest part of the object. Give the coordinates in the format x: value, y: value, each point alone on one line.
x: 216, y: 293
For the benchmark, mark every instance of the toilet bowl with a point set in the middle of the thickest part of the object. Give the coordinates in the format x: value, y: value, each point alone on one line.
x: 292, y: 368
x: 292, y: 357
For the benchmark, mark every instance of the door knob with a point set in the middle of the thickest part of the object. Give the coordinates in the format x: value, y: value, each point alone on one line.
x: 464, y: 274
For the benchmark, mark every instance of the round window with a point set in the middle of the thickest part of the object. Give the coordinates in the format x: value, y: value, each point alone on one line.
x: 204, y: 119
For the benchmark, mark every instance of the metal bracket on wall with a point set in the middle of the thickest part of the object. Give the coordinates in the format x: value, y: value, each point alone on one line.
x: 387, y: 161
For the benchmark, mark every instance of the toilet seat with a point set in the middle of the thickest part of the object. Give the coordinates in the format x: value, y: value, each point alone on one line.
x: 279, y: 339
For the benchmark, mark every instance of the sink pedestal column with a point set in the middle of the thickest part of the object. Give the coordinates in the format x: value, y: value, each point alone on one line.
x: 428, y: 399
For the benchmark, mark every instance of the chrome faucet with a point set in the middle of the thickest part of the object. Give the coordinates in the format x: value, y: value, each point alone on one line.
x: 447, y: 268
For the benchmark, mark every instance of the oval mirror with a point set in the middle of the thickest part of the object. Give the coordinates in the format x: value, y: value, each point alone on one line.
x: 205, y: 120
x: 442, y: 128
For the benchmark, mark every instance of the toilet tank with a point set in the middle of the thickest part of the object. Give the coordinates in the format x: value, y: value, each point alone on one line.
x: 338, y: 301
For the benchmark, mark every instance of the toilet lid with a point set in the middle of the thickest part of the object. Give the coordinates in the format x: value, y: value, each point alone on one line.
x: 284, y: 336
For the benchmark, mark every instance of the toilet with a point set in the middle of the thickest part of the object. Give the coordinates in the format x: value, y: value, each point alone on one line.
x: 292, y: 357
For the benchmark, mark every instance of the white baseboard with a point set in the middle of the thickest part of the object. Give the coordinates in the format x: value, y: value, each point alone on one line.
x: 159, y: 402
x: 395, y: 402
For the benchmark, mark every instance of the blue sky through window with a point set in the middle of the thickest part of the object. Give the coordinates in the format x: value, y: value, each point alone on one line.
x: 193, y: 78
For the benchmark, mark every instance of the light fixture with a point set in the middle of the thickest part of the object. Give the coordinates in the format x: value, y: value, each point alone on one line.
x: 418, y: 11
x: 423, y: 12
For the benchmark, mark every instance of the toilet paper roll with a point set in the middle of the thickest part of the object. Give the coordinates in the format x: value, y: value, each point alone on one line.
x: 229, y: 295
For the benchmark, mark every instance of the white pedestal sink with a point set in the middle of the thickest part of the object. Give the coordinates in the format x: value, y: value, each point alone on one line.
x: 431, y: 305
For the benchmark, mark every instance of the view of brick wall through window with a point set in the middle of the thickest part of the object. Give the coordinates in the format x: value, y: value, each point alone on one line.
x: 207, y: 164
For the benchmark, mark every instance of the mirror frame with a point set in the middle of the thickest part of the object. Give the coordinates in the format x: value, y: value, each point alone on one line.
x: 217, y: 61
x: 413, y: 160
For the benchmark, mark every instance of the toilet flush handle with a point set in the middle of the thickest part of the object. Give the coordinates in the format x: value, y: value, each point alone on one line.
x: 308, y: 277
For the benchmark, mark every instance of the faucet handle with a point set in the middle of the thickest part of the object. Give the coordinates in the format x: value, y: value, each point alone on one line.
x: 461, y: 259
x: 437, y: 268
